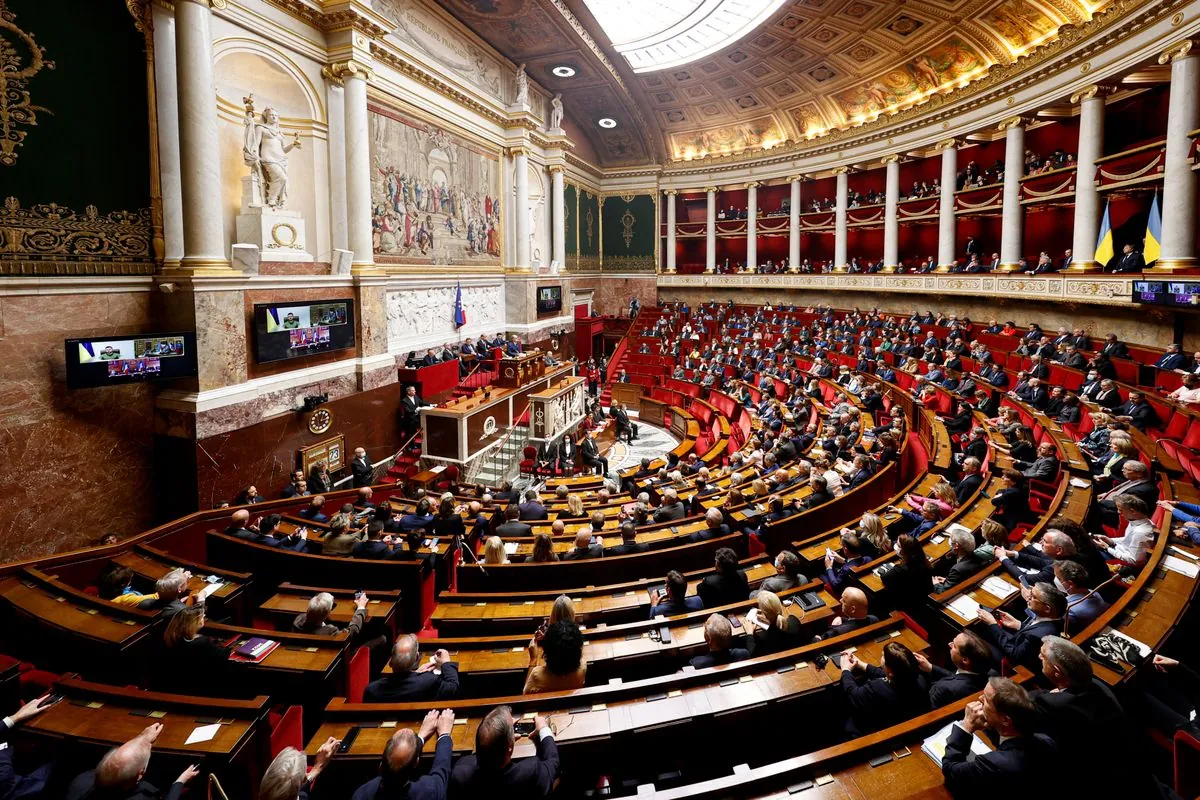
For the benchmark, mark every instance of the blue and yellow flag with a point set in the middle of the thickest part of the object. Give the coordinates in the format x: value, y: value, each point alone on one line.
x: 1152, y: 247
x: 1104, y: 245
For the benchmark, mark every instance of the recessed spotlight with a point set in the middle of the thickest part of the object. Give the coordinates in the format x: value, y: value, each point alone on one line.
x: 563, y: 71
x: 606, y: 122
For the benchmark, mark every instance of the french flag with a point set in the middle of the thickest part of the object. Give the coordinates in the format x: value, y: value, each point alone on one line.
x: 460, y: 316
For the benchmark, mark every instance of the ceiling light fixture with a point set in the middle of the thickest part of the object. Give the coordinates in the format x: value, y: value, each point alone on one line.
x: 606, y: 122
x: 563, y: 71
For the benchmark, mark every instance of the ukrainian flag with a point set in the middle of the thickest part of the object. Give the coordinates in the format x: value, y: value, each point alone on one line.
x: 1152, y: 247
x: 1104, y: 245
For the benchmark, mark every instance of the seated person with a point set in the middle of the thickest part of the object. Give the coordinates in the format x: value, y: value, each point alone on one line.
x: 909, y: 583
x: 170, y: 594
x: 341, y: 537
x: 966, y: 562
x: 887, y: 695
x: 787, y: 574
x: 718, y: 635
x: 839, y: 566
x: 410, y: 680
x: 190, y: 659
x: 671, y: 509
x: 490, y: 770
x: 1020, y: 641
x: 316, y: 618
x: 714, y: 526
x: 584, y: 548
x: 771, y: 629
x: 114, y: 586
x: 972, y: 662
x: 673, y: 599
x: 1134, y: 547
x: 852, y: 617
x: 401, y: 759
x: 120, y: 773
x: 728, y: 584
x: 312, y: 512
x: 557, y: 664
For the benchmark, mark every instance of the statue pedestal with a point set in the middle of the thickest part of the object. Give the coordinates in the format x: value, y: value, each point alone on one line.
x: 276, y: 232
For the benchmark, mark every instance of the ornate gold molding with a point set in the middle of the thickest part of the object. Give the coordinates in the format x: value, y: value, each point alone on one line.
x: 1175, y: 52
x: 1013, y: 122
x: 335, y: 20
x: 753, y: 184
x: 712, y: 189
x: 892, y: 159
x: 17, y: 65
x: 50, y: 232
x: 670, y: 192
x: 841, y: 170
x: 1095, y: 90
x: 555, y: 169
x: 350, y: 68
x: 947, y: 144
x: 518, y: 151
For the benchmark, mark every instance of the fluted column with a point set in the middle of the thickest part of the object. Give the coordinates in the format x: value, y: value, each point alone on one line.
x: 794, y: 226
x: 356, y: 131
x: 199, y: 145
x: 671, y: 229
x: 839, y: 219
x: 558, y: 217
x: 946, y: 230
x: 1012, y: 219
x: 521, y: 205
x: 1179, y: 181
x: 335, y: 94
x: 710, y: 231
x: 891, y: 215
x: 1087, y: 195
x: 751, y: 226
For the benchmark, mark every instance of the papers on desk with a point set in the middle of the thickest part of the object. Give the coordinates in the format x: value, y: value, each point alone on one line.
x: 207, y: 590
x: 953, y: 527
x: 1142, y: 648
x: 999, y: 587
x: 935, y: 746
x: 1176, y: 551
x: 1080, y: 483
x: 1183, y: 567
x: 203, y: 733
x: 965, y: 606
x: 437, y: 469
x: 510, y: 548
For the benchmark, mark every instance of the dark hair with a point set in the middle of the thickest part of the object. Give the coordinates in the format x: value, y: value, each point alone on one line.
x: 1015, y: 477
x: 1011, y: 700
x: 975, y: 651
x: 1079, y: 535
x: 423, y: 507
x: 726, y: 561
x: 543, y: 549
x: 113, y: 580
x: 446, y: 507
x: 269, y: 523
x: 493, y: 737
x: 790, y: 563
x: 676, y: 585
x: 628, y: 531
x: 899, y: 659
x: 912, y: 554
x: 562, y: 647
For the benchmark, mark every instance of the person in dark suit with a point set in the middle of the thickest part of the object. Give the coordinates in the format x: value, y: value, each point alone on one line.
x: 1173, y: 358
x: 1020, y: 641
x: 546, y: 460
x: 1137, y: 412
x: 32, y: 784
x: 673, y: 598
x: 727, y: 584
x: 568, y: 451
x: 886, y: 695
x: 361, y: 468
x: 312, y: 512
x: 1114, y: 347
x: 966, y: 563
x: 970, y: 481
x: 402, y: 757
x: 1107, y: 395
x: 293, y: 489
x: 1011, y: 504
x: 853, y: 615
x: 172, y: 591
x: 629, y: 543
x: 1137, y: 483
x: 1129, y: 261
x: 718, y: 635
x: 590, y: 453
x: 714, y: 526
x: 490, y: 770
x: 624, y: 426
x: 513, y: 348
x: 972, y: 662
x: 908, y: 583
x: 532, y: 509
x: 584, y: 549
x: 121, y: 773
x: 410, y: 411
x: 1003, y: 773
x: 412, y: 681
x: 1042, y: 468
x: 512, y: 526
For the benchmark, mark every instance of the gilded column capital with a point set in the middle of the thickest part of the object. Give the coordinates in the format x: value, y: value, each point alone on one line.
x: 892, y: 159
x: 1013, y: 122
x: 518, y: 151
x: 1176, y: 52
x: 350, y: 68
x: 670, y: 192
x: 710, y: 189
x: 947, y: 144
x: 796, y: 179
x: 753, y: 184
x: 1089, y: 92
x: 841, y: 170
x: 554, y: 169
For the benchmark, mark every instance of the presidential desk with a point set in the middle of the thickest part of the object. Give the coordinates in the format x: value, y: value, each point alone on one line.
x: 461, y: 431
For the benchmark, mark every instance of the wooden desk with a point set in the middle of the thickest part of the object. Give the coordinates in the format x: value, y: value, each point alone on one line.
x: 280, y: 609
x: 627, y: 394
x: 150, y: 564
x: 652, y: 411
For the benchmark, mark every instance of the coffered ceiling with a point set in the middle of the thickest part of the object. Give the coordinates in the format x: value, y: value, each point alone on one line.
x: 811, y: 66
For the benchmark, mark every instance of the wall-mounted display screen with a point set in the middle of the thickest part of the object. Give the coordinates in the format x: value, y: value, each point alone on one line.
x: 1176, y: 294
x: 295, y: 330
x: 114, y: 360
x: 549, y: 299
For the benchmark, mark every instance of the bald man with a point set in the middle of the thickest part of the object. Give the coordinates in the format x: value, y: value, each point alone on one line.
x: 854, y: 614
x: 584, y: 548
x: 490, y: 770
x: 411, y: 681
x: 402, y: 757
x: 119, y: 775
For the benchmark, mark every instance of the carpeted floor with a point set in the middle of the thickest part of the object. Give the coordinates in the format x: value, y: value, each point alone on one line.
x: 652, y: 442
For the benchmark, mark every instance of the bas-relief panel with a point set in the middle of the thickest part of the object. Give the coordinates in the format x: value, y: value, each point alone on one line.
x: 416, y: 316
x: 435, y: 197
x: 939, y: 66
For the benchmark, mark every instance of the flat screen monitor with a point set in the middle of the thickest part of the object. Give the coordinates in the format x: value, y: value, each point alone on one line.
x: 549, y: 299
x: 296, y: 330
x: 117, y: 360
x: 1183, y: 293
x: 1149, y: 292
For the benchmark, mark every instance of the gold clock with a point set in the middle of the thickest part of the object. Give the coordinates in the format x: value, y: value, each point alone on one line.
x: 320, y: 420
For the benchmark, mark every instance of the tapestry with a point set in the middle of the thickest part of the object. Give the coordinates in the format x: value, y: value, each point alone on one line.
x: 571, y: 218
x: 629, y: 232
x: 435, y: 197
x: 589, y: 230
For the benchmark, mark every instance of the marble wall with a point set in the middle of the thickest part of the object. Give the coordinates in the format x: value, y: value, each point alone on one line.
x: 76, y: 464
x: 611, y: 295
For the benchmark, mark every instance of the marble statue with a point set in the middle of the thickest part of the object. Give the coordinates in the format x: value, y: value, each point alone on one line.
x: 556, y: 112
x: 266, y: 153
x: 522, y: 86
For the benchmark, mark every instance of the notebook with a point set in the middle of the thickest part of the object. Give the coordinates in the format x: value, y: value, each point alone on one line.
x: 255, y: 649
x: 935, y: 746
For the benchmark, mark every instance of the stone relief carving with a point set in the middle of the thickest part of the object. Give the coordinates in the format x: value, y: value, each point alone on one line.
x: 416, y: 27
x: 417, y: 316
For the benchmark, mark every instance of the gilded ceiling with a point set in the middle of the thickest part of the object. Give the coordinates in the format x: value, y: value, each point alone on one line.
x: 815, y: 65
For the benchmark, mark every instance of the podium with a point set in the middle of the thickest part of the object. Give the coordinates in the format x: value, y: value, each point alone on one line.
x: 557, y: 408
x: 520, y: 369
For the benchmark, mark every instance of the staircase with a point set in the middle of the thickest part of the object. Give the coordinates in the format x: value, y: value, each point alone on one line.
x: 502, y: 463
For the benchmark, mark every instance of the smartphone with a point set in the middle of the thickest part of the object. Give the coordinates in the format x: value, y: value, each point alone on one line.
x: 735, y: 621
x: 348, y: 740
x: 359, y: 593
x: 523, y: 727
x: 51, y: 700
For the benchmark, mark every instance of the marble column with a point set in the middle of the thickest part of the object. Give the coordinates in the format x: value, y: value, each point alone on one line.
x: 558, y: 217
x: 1012, y: 215
x: 199, y: 143
x: 946, y: 229
x: 354, y: 76
x: 166, y: 85
x: 335, y: 94
x: 751, y: 226
x: 839, y: 219
x: 794, y: 226
x: 671, y: 229
x: 1179, y: 181
x: 521, y: 205
x: 891, y: 215
x: 710, y: 231
x: 1087, y: 195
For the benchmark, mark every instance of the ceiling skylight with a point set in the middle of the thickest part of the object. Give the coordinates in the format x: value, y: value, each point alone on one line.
x: 667, y: 33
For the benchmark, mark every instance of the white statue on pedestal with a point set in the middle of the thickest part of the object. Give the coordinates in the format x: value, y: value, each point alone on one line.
x: 264, y: 151
x: 522, y: 86
x: 556, y: 112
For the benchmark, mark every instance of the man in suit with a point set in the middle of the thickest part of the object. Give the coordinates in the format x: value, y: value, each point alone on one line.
x: 1066, y: 259
x: 718, y: 635
x: 361, y: 468
x: 1005, y: 772
x: 293, y: 488
x: 671, y: 509
x: 532, y: 509
x: 1107, y: 395
x: 590, y: 453
x: 512, y: 526
x: 1137, y: 412
x: 970, y: 481
x: 629, y: 543
x: 973, y: 248
x: 1137, y: 483
x: 410, y: 680
x: 1114, y: 347
x: 491, y: 772
x: 966, y: 563
x: 714, y: 526
x: 1020, y: 641
x: 1173, y: 358
x: 12, y: 785
x: 402, y: 757
x: 567, y: 453
x: 410, y: 409
x: 1044, y: 467
x: 1130, y: 261
x: 1072, y: 358
x: 584, y: 549
x: 673, y: 599
x: 1055, y: 545
x: 547, y: 458
x: 1083, y: 605
x: 172, y: 591
x: 972, y: 661
x: 121, y: 773
x: 312, y: 512
x: 624, y: 426
x: 852, y: 617
x: 513, y: 348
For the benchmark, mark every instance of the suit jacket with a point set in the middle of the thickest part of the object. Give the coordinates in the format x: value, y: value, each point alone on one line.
x: 533, y: 510
x: 1145, y: 490
x: 950, y: 686
x: 1002, y: 774
x: 83, y: 788
x: 431, y: 786
x: 1043, y: 468
x: 962, y: 569
x: 670, y: 513
x: 1023, y: 645
x: 413, y: 687
x: 362, y: 469
x: 1115, y: 350
x: 626, y: 549
x: 1130, y: 262
x: 877, y: 703
x: 1110, y: 399
x: 1171, y: 361
x: 411, y: 406
x: 723, y: 589
x: 967, y: 486
x: 1141, y: 416
x: 527, y: 778
x: 591, y: 453
x: 847, y: 626
x: 33, y: 785
x: 510, y: 529
x: 576, y: 554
